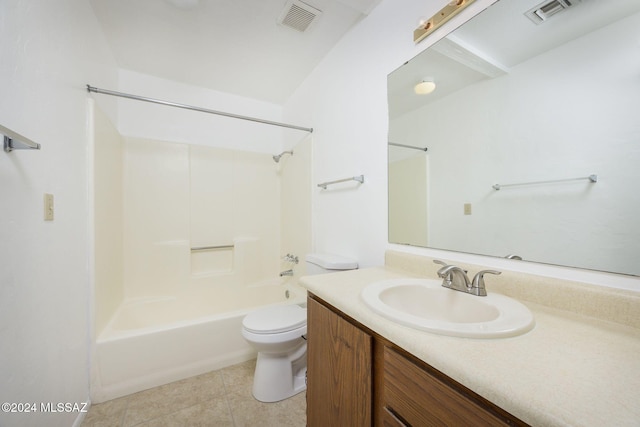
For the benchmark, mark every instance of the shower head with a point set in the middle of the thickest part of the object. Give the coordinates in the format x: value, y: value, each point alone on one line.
x: 277, y: 158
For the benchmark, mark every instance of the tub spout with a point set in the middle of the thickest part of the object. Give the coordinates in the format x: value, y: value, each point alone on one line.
x: 286, y: 273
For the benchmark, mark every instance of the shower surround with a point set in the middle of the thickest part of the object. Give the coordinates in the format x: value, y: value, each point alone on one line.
x: 187, y: 241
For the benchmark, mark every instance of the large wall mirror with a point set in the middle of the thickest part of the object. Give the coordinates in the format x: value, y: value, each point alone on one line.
x: 532, y: 136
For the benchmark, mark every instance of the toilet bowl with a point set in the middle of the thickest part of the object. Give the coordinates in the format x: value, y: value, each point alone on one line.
x: 278, y: 335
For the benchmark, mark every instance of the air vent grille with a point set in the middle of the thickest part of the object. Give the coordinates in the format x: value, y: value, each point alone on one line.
x: 544, y: 11
x: 298, y: 15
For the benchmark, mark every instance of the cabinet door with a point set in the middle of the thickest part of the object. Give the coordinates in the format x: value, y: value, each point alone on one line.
x: 339, y: 391
x: 415, y: 397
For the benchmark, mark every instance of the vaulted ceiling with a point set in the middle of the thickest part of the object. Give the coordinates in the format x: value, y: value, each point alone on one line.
x: 234, y: 46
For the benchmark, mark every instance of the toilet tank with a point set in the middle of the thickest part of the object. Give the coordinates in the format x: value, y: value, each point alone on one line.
x: 329, y: 263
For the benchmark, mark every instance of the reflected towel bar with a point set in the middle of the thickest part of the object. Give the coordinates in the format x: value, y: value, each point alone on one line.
x: 359, y: 178
x: 408, y: 146
x: 592, y: 178
x: 211, y: 248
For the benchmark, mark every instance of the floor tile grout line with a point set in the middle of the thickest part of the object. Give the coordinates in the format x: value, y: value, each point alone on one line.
x: 226, y: 396
x: 123, y: 417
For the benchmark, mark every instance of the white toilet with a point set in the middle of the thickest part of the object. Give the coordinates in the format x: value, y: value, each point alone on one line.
x: 278, y: 334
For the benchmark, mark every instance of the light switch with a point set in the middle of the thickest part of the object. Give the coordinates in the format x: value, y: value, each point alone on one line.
x: 48, y: 207
x: 467, y: 208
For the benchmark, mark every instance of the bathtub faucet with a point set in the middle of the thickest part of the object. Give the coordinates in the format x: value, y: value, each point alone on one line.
x: 286, y: 273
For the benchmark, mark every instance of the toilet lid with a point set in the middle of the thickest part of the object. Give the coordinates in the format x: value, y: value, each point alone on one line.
x: 275, y: 319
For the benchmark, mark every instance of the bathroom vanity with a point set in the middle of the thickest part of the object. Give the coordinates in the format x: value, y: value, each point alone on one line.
x: 578, y: 366
x: 355, y: 373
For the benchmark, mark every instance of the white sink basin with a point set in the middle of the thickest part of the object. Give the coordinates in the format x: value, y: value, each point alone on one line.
x: 424, y: 304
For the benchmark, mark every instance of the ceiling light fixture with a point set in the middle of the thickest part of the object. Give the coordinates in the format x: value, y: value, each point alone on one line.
x: 425, y: 87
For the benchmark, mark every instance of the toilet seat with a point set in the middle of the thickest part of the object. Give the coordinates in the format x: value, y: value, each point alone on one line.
x: 275, y: 320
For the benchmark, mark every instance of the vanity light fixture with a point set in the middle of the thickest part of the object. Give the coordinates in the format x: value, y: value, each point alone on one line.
x: 427, y: 26
x: 425, y: 87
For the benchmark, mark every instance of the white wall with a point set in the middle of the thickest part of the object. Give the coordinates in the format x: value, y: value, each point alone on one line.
x: 345, y: 100
x: 50, y: 50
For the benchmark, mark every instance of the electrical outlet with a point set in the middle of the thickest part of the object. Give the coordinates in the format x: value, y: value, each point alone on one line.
x: 467, y: 208
x: 48, y: 207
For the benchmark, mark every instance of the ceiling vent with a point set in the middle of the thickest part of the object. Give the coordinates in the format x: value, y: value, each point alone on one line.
x: 298, y: 15
x: 547, y: 9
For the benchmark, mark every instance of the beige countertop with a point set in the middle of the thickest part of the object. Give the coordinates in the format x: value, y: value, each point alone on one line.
x: 570, y: 370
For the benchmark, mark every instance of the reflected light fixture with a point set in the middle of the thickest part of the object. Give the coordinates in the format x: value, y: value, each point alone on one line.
x: 425, y: 87
x: 427, y: 26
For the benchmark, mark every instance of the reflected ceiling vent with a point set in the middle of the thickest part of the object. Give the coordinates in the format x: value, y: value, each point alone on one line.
x: 298, y: 15
x: 547, y: 9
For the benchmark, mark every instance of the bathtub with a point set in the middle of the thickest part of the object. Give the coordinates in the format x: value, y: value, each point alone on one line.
x: 154, y: 341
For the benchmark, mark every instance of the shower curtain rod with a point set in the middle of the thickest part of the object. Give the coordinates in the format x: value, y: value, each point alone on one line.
x: 191, y: 107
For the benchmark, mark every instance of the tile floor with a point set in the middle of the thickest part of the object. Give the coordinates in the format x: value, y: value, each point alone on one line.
x: 219, y: 398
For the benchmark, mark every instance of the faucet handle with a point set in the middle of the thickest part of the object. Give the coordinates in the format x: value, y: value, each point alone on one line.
x: 478, y: 281
x: 447, y: 277
x: 444, y: 265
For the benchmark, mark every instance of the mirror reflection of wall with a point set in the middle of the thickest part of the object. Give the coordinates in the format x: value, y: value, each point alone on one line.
x: 520, y: 102
x: 408, y: 183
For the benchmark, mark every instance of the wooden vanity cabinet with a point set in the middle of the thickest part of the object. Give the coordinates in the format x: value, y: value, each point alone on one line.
x: 422, y: 396
x: 339, y: 390
x: 357, y: 378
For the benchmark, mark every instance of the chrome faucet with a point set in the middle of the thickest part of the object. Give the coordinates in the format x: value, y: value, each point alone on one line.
x: 286, y: 273
x: 456, y: 278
